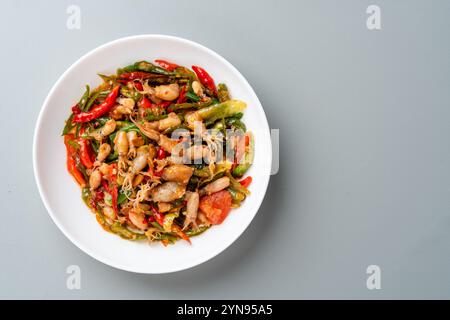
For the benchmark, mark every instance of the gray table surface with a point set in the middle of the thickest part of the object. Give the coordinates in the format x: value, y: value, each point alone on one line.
x: 364, y: 147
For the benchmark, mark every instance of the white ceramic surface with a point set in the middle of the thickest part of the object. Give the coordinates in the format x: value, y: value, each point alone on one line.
x: 62, y: 197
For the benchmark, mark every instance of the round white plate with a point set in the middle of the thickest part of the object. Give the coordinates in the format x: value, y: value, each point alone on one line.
x: 62, y: 196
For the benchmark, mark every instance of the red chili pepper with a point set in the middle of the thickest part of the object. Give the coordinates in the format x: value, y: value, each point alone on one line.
x: 160, y: 154
x: 165, y: 104
x: 145, y: 103
x: 182, y: 96
x: 138, y: 85
x: 115, y: 195
x: 100, y: 109
x: 71, y: 161
x: 158, y: 215
x: 85, y: 153
x: 246, y: 182
x: 169, y: 66
x: 180, y: 233
x: 113, y: 172
x: 76, y: 109
x: 151, y: 219
x: 205, y: 78
x: 99, y: 195
x: 157, y: 173
x: 105, y: 186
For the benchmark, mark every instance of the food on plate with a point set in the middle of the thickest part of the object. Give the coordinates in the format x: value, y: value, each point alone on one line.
x: 159, y: 151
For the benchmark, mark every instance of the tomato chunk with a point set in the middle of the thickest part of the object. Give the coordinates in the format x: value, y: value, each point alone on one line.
x: 216, y: 206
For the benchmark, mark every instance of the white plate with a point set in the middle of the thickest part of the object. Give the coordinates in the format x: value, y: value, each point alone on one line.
x: 62, y: 197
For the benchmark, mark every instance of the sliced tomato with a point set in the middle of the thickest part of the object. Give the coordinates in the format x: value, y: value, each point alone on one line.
x: 216, y: 206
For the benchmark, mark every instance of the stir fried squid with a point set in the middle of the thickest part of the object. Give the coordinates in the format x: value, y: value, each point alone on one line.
x: 159, y: 151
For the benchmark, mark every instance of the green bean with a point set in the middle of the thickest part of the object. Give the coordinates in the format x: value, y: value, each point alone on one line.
x: 153, y: 117
x: 190, y: 105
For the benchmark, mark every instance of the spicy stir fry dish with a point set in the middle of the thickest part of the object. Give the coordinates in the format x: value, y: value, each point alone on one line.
x: 159, y: 151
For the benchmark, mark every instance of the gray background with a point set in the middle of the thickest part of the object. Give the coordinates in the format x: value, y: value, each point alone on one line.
x: 364, y: 119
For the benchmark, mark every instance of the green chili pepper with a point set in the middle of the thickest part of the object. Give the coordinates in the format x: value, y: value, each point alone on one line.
x: 221, y: 110
x: 123, y: 232
x: 68, y: 126
x: 86, y: 196
x: 84, y: 99
x: 190, y: 105
x: 112, y: 157
x: 149, y: 67
x: 73, y: 144
x: 235, y: 124
x: 91, y: 100
x: 196, y: 232
x: 125, y: 126
x: 122, y: 196
x: 153, y: 117
x: 130, y: 93
x: 169, y: 131
x: 192, y: 96
x: 202, y: 173
x: 107, y: 79
x: 222, y: 92
x: 95, y: 145
x: 168, y: 221
x: 237, y: 186
x: 237, y: 196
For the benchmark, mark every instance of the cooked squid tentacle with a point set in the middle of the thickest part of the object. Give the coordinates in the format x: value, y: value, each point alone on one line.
x: 136, y: 166
x: 137, y: 218
x: 216, y: 185
x: 121, y: 145
x: 103, y: 152
x: 133, y: 142
x: 167, y: 92
x: 95, y: 179
x: 102, y: 132
x: 193, y: 200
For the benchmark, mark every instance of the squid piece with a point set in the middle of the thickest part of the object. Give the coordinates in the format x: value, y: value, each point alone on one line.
x: 167, y: 92
x: 178, y: 173
x: 172, y: 120
x: 216, y: 185
x: 168, y: 191
x: 137, y: 218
